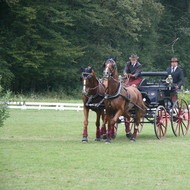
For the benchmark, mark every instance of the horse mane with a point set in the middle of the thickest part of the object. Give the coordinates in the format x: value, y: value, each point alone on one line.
x: 93, y: 73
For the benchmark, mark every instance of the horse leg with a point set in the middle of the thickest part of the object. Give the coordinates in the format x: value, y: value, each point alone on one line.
x: 103, y: 128
x: 98, y: 114
x: 136, y: 124
x: 116, y: 116
x: 112, y: 123
x: 127, y: 127
x: 85, y: 130
x: 113, y: 132
x: 108, y: 136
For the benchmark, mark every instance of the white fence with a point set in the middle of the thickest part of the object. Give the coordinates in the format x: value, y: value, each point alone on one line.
x: 45, y: 106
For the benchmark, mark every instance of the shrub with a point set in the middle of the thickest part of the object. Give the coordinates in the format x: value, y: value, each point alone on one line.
x: 4, y: 98
x: 185, y: 96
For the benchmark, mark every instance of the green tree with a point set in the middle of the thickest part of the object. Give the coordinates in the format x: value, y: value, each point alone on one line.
x: 43, y: 43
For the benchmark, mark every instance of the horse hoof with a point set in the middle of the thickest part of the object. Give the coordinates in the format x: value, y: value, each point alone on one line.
x: 84, y: 139
x: 113, y: 136
x: 129, y: 135
x: 108, y: 141
x: 97, y: 139
x: 132, y: 139
x: 103, y: 136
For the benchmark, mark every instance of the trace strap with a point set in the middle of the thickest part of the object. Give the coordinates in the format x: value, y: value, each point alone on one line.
x: 118, y: 93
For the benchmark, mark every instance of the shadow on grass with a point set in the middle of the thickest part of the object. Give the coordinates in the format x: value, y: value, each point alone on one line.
x: 147, y: 138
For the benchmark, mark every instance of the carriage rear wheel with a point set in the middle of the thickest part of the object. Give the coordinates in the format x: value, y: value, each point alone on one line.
x: 161, y: 119
x: 180, y: 117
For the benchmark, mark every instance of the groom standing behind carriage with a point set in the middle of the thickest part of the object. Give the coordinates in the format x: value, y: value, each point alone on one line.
x: 132, y: 71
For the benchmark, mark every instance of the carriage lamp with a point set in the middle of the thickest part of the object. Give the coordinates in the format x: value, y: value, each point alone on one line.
x: 169, y: 80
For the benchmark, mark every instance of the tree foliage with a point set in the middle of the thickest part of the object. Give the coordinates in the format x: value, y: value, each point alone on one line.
x: 43, y: 43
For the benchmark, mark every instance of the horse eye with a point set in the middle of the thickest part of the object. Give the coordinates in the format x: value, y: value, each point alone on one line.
x: 90, y: 77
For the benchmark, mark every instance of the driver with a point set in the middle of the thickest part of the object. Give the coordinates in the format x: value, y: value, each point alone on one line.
x: 132, y: 71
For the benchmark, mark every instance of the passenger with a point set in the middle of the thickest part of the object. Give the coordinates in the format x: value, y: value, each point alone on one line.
x: 132, y: 71
x: 176, y: 72
x: 178, y: 77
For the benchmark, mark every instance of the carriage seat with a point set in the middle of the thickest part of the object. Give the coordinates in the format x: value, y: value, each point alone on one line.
x: 143, y: 82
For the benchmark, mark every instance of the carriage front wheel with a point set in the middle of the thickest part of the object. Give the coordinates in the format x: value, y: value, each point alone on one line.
x: 180, y: 117
x: 161, y: 119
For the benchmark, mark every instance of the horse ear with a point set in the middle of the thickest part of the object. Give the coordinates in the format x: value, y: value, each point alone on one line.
x: 82, y: 68
x: 90, y: 69
x: 115, y: 59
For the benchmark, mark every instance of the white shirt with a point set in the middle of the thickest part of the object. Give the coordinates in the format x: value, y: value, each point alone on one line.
x: 173, y: 68
x: 133, y: 64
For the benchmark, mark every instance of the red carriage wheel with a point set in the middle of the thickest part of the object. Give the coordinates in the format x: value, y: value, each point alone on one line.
x: 140, y: 127
x: 180, y: 117
x: 161, y: 119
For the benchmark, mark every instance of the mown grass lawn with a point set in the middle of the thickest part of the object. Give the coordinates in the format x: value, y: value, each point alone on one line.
x: 43, y: 150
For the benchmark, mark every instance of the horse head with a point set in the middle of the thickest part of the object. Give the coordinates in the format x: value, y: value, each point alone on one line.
x: 110, y: 68
x: 88, y: 79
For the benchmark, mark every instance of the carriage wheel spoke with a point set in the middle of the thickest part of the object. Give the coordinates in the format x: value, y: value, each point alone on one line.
x: 164, y: 125
x: 176, y: 128
x: 184, y: 125
x: 182, y: 128
x: 181, y: 103
x: 179, y: 128
x: 161, y: 130
x: 161, y: 113
x: 176, y: 111
x: 158, y: 129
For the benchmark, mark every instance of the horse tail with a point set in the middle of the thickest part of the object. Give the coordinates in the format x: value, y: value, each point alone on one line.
x: 142, y: 104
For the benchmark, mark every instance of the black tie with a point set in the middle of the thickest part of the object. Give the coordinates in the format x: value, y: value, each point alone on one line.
x: 172, y: 69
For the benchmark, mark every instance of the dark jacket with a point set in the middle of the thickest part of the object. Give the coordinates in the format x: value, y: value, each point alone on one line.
x: 177, y: 75
x: 136, y: 70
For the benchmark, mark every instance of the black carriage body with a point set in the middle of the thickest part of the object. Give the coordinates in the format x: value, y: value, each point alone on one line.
x: 156, y: 92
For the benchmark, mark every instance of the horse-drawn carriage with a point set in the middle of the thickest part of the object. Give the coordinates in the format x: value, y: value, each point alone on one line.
x: 154, y: 101
x: 163, y: 105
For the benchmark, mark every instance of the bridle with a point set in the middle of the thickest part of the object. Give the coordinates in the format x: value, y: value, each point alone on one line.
x: 109, y: 73
x: 85, y: 76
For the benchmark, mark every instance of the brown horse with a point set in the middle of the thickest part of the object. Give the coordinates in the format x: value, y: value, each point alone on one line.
x: 93, y: 94
x: 119, y: 100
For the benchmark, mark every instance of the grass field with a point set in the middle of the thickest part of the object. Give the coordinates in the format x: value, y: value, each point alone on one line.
x: 43, y: 150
